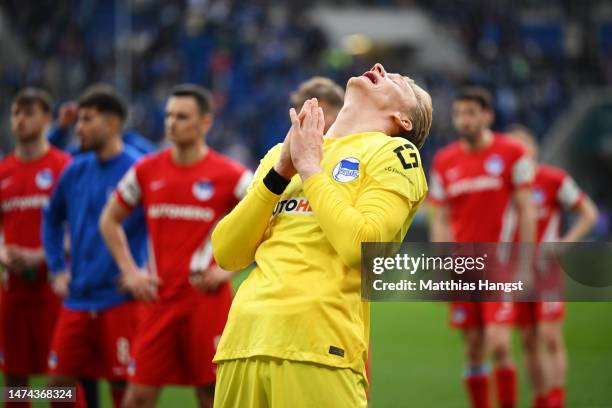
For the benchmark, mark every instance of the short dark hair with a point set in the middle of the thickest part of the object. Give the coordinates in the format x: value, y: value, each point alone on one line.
x: 324, y: 89
x: 201, y: 95
x: 105, y: 99
x: 34, y: 96
x: 476, y: 94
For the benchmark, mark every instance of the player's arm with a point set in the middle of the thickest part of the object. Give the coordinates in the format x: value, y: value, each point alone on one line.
x: 58, y: 133
x: 16, y: 259
x: 439, y: 227
x: 523, y: 202
x: 439, y: 230
x: 377, y: 214
x: 237, y: 236
x: 572, y: 198
x: 522, y: 177
x: 118, y: 208
x: 53, y: 233
x: 4, y: 259
x: 586, y: 213
x: 523, y: 173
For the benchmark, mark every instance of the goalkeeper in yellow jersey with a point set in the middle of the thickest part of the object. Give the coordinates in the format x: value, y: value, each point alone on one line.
x: 297, y: 332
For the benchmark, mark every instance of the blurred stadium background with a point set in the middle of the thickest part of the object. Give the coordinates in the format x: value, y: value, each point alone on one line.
x: 548, y: 62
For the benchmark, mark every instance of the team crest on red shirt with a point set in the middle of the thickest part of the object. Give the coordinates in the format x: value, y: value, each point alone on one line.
x: 44, y: 179
x: 494, y: 165
x: 203, y: 190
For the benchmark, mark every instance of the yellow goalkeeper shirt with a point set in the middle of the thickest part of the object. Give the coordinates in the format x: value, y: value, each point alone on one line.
x: 303, y: 299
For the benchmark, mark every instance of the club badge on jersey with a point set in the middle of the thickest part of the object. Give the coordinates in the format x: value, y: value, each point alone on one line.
x: 346, y: 170
x: 44, y: 179
x: 203, y: 190
x: 494, y: 165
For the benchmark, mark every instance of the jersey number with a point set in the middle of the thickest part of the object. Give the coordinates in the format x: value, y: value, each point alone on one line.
x: 415, y: 159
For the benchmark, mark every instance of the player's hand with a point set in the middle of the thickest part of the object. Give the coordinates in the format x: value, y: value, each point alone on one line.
x: 25, y: 258
x: 307, y: 139
x: 141, y: 284
x: 284, y: 166
x: 67, y: 115
x: 61, y: 284
x: 17, y: 259
x: 210, y: 280
x: 4, y: 258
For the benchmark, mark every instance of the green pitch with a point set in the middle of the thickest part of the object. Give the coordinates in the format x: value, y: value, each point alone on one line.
x: 418, y: 361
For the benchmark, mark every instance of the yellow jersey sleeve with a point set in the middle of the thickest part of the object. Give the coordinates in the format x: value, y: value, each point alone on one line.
x: 378, y: 212
x: 397, y: 165
x: 237, y: 236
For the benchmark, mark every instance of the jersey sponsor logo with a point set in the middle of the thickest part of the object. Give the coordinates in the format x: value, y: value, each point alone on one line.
x: 474, y: 184
x: 33, y: 202
x: 181, y: 212
x: 494, y: 165
x: 44, y: 179
x: 203, y: 190
x: 346, y: 170
x: 393, y: 170
x: 293, y: 205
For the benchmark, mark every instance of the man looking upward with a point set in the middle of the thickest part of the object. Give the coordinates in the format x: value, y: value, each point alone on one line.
x: 297, y: 334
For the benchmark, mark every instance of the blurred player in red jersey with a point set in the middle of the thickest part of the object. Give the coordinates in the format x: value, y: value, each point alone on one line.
x: 27, y: 177
x: 554, y: 191
x: 476, y: 185
x: 185, y: 190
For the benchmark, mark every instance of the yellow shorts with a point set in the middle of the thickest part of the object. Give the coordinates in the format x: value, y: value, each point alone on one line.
x: 266, y: 382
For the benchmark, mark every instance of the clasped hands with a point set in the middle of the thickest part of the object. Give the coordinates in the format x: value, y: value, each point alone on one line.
x: 302, y: 149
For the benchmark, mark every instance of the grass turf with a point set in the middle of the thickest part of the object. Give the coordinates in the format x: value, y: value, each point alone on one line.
x: 418, y: 363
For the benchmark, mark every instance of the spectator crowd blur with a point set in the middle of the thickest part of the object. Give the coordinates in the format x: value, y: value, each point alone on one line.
x: 534, y: 55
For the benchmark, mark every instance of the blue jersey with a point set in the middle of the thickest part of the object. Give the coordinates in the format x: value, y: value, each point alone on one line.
x: 80, y: 197
x: 60, y: 138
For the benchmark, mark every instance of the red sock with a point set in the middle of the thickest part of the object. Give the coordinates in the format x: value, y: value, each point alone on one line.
x: 540, y: 401
x: 505, y: 381
x: 556, y: 397
x: 117, y: 395
x: 478, y: 390
x: 79, y: 402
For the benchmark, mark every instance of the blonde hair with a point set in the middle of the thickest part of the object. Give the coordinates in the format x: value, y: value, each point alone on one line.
x: 421, y: 116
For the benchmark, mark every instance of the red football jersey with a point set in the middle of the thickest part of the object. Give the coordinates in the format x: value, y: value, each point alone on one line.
x: 553, y: 191
x: 477, y: 187
x: 182, y: 204
x: 25, y: 188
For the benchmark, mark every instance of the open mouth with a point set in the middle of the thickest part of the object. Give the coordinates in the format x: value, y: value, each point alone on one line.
x: 371, y: 76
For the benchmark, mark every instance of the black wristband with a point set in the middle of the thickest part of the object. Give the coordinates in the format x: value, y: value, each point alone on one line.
x: 275, y: 182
